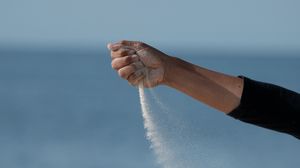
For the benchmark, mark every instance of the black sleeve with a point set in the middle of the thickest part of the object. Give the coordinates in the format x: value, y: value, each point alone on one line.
x: 269, y: 106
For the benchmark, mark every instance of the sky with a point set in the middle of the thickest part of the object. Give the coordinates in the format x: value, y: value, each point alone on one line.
x: 213, y: 23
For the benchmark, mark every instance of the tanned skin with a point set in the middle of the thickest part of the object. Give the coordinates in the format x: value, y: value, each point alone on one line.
x: 138, y: 62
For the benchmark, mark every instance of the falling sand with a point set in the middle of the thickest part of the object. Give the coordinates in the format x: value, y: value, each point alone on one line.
x: 159, y: 133
x: 152, y: 132
x: 173, y: 141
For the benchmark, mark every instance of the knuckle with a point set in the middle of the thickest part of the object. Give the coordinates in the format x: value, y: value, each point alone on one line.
x: 122, y: 74
x: 134, y: 58
x: 127, y: 59
x: 114, y: 65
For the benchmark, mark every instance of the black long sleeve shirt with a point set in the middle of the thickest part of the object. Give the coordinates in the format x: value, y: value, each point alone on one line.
x: 269, y: 106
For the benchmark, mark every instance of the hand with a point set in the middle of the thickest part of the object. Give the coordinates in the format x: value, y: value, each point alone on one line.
x: 138, y: 63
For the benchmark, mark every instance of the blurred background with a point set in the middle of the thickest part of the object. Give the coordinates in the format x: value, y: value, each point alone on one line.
x: 61, y: 104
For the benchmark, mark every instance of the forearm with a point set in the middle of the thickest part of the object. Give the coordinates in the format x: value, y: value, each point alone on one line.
x: 215, y: 89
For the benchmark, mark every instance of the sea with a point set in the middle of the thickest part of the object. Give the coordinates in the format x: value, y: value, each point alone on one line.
x: 65, y: 107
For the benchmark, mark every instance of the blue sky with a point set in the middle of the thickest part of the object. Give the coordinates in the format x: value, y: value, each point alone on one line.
x: 235, y: 23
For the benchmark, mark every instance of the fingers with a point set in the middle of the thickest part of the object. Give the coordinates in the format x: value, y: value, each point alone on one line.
x: 136, y: 45
x: 136, y: 77
x: 126, y: 61
x: 121, y: 52
x: 118, y: 63
x: 128, y: 70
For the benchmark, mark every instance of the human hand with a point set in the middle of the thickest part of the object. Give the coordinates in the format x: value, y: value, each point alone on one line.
x: 138, y: 63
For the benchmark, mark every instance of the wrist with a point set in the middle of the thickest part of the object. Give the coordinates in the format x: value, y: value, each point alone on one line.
x: 171, y: 70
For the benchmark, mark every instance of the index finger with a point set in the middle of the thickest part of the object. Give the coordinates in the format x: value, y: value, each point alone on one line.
x: 136, y: 45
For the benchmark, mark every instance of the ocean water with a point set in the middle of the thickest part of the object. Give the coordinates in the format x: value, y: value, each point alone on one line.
x: 66, y: 107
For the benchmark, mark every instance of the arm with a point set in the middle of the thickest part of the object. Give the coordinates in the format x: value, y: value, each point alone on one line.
x: 138, y: 62
x: 254, y: 102
x: 215, y: 89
